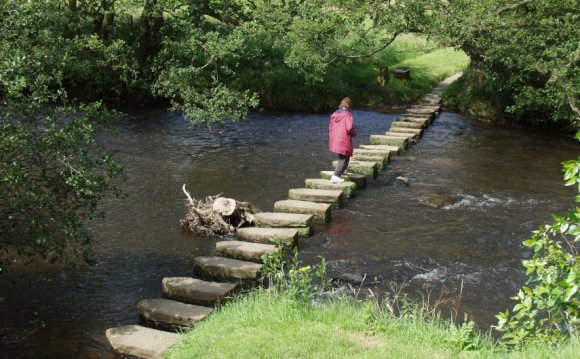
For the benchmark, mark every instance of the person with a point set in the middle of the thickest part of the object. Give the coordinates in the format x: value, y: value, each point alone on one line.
x: 340, y: 133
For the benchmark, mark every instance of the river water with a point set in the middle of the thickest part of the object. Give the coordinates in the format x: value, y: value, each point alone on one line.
x: 504, y: 182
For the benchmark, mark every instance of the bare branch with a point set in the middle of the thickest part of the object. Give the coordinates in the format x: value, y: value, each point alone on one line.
x: 188, y: 195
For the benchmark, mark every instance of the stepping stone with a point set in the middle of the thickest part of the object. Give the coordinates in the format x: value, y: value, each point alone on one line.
x: 141, y: 342
x: 423, y: 120
x: 332, y: 196
x: 226, y: 268
x: 369, y: 169
x: 378, y: 159
x: 416, y: 131
x: 394, y: 150
x: 389, y: 140
x: 285, y: 236
x: 248, y: 251
x: 348, y: 188
x: 386, y: 154
x: 407, y: 124
x: 358, y: 179
x: 430, y: 102
x: 431, y: 97
x: 420, y: 111
x: 167, y: 312
x: 410, y: 136
x: 320, y: 211
x: 302, y: 222
x: 196, y: 291
x: 432, y: 108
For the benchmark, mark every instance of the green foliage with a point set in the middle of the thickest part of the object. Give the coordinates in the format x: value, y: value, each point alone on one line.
x: 53, y: 175
x: 428, y: 64
x: 465, y: 336
x: 524, y: 54
x: 300, y: 283
x: 548, y: 306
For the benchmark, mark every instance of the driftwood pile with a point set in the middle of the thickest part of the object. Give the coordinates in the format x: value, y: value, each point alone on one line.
x: 215, y: 216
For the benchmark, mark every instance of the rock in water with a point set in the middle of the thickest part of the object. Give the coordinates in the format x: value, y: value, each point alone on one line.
x: 350, y: 278
x: 436, y: 200
x: 401, y: 181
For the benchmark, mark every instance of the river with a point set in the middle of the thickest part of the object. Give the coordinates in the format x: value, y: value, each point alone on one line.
x: 504, y: 182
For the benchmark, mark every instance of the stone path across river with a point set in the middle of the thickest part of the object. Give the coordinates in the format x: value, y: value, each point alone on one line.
x: 237, y: 263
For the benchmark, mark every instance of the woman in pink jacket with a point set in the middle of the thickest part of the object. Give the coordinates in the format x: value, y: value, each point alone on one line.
x: 340, y: 133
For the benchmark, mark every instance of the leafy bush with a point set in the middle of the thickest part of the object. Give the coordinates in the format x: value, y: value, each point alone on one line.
x: 53, y: 175
x: 301, y: 283
x: 548, y: 308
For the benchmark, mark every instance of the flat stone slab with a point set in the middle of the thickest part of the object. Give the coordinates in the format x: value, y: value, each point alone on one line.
x: 347, y: 188
x: 196, y: 291
x: 430, y: 101
x: 386, y: 154
x: 248, y: 251
x: 421, y: 111
x: 424, y: 120
x: 408, y: 136
x: 226, y: 268
x: 424, y: 107
x: 356, y: 178
x: 283, y: 219
x: 369, y: 169
x: 416, y: 131
x: 268, y: 235
x: 169, y: 312
x: 320, y: 211
x: 302, y: 222
x: 332, y: 196
x: 141, y: 342
x: 394, y: 150
x: 378, y: 159
x: 431, y: 98
x: 406, y: 124
x: 389, y: 140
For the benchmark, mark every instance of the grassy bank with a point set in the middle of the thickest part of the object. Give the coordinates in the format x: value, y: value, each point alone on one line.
x: 267, y: 325
x: 428, y: 64
x: 370, y: 82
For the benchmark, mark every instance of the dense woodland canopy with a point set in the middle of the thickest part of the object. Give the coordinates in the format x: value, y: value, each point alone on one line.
x: 214, y: 60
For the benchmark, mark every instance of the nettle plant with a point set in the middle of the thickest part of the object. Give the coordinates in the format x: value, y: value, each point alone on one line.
x: 548, y: 307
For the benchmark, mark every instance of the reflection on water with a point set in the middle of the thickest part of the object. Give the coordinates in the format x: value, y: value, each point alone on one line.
x: 503, y: 183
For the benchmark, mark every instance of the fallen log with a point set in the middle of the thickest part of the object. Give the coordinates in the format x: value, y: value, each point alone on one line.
x: 215, y: 216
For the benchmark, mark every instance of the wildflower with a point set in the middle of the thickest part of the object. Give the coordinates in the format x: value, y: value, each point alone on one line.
x: 305, y: 269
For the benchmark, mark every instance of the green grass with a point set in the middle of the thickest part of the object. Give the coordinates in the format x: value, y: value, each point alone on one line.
x: 429, y: 65
x: 265, y: 325
x: 282, y: 88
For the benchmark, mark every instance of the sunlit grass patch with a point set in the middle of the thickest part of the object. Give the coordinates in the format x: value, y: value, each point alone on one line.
x: 266, y: 325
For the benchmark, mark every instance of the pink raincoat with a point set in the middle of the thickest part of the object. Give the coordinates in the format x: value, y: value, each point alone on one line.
x: 340, y: 132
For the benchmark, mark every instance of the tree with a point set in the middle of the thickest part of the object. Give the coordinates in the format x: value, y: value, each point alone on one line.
x: 52, y: 171
x: 523, y: 52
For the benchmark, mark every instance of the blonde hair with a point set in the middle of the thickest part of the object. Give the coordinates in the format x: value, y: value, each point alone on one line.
x: 346, y: 103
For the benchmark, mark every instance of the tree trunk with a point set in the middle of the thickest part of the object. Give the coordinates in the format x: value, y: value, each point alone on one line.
x: 216, y: 215
x: 103, y: 18
x: 149, y: 31
x: 383, y: 77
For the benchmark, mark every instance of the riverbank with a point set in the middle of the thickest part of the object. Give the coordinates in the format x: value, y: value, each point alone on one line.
x: 374, y: 85
x: 263, y: 324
